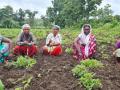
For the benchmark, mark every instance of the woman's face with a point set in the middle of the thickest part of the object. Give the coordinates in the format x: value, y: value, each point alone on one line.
x: 55, y: 31
x: 86, y: 30
x: 26, y: 30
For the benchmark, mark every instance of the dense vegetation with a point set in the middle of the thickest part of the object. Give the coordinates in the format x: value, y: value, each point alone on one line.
x: 109, y: 31
x: 10, y: 19
x: 65, y: 13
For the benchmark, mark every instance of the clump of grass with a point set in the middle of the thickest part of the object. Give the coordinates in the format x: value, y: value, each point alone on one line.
x: 86, y: 77
x: 24, y: 62
x: 79, y: 70
x: 92, y: 63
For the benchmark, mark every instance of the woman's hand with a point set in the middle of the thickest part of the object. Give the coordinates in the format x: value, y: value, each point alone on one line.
x: 52, y: 44
x: 26, y: 42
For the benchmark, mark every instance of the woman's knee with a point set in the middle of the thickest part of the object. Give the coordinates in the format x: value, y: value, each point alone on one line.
x: 44, y: 50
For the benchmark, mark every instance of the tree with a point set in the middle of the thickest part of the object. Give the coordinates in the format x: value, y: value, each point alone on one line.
x: 6, y: 17
x: 31, y: 16
x: 117, y: 17
x: 89, y: 7
x: 21, y: 16
x: 105, y: 14
x: 9, y: 18
x: 54, y: 13
x: 46, y: 22
x: 70, y: 12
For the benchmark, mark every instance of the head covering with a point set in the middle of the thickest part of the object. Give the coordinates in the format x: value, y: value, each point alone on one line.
x: 25, y: 26
x: 85, y: 38
x: 86, y: 25
x: 56, y: 27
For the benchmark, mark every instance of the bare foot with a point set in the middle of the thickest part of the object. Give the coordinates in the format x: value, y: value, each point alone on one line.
x: 75, y: 57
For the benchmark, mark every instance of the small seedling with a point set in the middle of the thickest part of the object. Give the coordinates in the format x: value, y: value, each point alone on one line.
x: 92, y: 63
x: 24, y: 62
x: 89, y: 83
x: 79, y: 70
x: 27, y: 82
x: 85, y: 77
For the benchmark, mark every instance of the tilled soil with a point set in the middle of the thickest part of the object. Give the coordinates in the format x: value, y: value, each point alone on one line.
x: 54, y: 73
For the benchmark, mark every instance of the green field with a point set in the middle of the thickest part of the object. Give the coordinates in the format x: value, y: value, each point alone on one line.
x: 57, y: 67
x: 105, y: 34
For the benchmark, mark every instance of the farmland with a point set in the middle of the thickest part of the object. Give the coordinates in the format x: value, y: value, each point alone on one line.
x: 54, y: 73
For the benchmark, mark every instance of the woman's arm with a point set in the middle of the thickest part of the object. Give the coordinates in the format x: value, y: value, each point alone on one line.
x: 48, y: 40
x: 34, y: 40
x: 77, y: 44
x: 19, y: 40
x: 76, y: 41
x: 6, y: 40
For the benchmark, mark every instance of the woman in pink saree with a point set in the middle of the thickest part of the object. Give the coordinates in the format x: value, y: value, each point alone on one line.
x: 84, y: 46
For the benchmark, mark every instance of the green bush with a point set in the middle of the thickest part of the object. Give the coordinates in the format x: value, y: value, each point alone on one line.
x: 24, y: 62
x: 79, y: 70
x: 91, y: 63
x: 89, y: 83
x: 86, y: 78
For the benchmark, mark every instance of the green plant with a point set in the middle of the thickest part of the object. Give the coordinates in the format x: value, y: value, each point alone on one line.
x: 79, y: 70
x: 1, y: 85
x: 31, y: 62
x: 85, y: 77
x: 88, y: 75
x: 24, y: 62
x: 91, y: 63
x: 69, y: 50
x: 27, y: 82
x: 89, y: 83
x: 19, y: 88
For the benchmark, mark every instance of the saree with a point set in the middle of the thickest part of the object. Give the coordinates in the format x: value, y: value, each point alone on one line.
x: 86, y: 44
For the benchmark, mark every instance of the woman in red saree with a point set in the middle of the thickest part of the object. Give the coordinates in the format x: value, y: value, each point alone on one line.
x: 53, y: 42
x: 84, y: 46
x: 26, y: 43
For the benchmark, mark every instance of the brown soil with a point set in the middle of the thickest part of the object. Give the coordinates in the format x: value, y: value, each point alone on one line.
x: 54, y: 73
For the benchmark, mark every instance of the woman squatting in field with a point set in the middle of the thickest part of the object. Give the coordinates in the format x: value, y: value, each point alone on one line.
x: 26, y: 42
x: 85, y: 44
x: 5, y: 46
x: 53, y: 42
